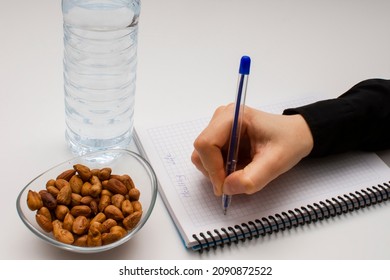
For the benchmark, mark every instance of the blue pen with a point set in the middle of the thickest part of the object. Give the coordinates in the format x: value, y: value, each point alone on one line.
x: 231, y: 161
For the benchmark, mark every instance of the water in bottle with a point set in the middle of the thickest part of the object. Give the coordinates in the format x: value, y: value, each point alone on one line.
x: 100, y: 59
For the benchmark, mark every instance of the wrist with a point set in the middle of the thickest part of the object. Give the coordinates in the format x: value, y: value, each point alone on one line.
x: 303, y: 134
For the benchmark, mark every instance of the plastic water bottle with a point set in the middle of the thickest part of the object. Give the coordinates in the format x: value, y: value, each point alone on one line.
x: 100, y: 59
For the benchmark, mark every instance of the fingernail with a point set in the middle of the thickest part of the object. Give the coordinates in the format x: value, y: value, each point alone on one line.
x: 217, y: 191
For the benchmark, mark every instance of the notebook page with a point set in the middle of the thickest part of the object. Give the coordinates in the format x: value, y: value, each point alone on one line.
x: 191, y: 201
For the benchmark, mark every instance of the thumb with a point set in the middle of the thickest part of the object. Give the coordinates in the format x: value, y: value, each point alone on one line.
x: 254, y: 177
x: 237, y: 183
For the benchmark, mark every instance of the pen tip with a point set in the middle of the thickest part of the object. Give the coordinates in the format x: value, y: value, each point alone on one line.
x: 224, y: 211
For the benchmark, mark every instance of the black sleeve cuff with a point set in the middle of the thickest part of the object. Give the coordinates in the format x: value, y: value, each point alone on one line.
x: 358, y: 119
x: 326, y: 120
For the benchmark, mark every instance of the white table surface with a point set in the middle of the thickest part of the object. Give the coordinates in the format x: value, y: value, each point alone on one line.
x: 188, y: 59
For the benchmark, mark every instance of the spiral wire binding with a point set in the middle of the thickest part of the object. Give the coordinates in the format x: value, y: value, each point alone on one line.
x: 329, y: 208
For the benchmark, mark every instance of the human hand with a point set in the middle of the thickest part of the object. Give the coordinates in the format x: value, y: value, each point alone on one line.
x: 270, y: 145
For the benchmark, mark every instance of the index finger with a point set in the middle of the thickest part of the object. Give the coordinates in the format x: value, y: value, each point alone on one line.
x: 209, y: 145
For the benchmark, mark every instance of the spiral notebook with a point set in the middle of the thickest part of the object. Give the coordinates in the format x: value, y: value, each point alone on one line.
x: 315, y: 189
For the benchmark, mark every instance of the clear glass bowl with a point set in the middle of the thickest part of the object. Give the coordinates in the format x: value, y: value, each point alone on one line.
x: 121, y: 162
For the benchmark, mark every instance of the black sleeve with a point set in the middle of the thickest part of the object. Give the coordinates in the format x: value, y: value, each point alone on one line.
x: 357, y: 120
